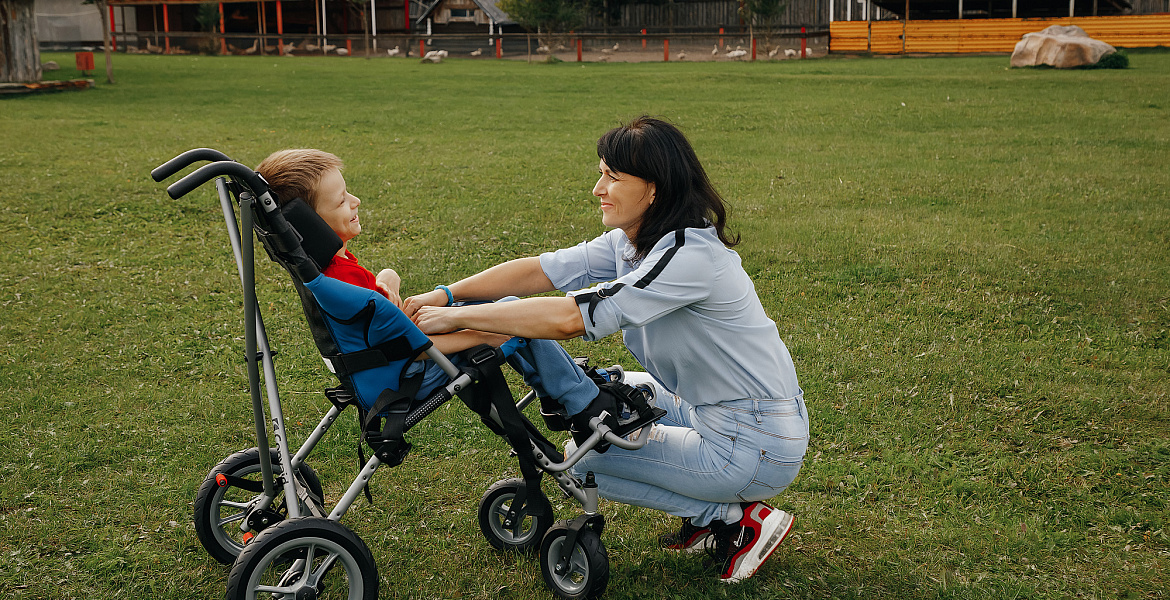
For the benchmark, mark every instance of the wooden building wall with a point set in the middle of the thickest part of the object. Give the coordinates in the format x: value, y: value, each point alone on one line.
x: 705, y: 15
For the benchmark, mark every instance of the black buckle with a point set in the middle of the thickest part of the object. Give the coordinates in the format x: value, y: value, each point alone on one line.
x: 393, y: 453
x: 485, y: 355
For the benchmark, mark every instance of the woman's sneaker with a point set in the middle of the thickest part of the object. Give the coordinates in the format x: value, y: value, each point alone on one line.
x: 689, y: 537
x: 742, y: 547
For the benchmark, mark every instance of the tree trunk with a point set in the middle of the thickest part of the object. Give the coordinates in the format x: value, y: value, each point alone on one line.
x: 20, y: 58
x: 103, y: 7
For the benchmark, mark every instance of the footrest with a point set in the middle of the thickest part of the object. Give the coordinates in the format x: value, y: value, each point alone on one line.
x: 638, y: 422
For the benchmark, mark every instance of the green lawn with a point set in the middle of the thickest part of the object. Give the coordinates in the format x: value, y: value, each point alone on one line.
x: 970, y: 264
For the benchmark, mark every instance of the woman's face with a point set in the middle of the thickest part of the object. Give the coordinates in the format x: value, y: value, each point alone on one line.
x: 337, y: 206
x: 624, y: 199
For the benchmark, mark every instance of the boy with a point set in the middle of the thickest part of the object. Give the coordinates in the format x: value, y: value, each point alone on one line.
x: 315, y: 176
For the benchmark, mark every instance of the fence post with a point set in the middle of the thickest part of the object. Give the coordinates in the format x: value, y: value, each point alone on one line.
x: 422, y: 47
x: 753, y: 49
x: 166, y: 29
x: 578, y: 49
x: 803, y: 44
x: 499, y: 48
x: 665, y: 50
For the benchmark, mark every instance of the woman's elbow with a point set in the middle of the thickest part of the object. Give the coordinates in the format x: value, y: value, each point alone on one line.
x: 570, y: 326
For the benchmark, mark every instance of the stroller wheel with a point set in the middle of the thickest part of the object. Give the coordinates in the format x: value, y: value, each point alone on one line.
x: 219, y: 510
x: 585, y: 575
x: 525, y: 532
x: 308, y: 557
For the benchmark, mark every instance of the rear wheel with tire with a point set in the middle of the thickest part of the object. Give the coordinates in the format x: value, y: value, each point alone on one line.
x: 525, y: 531
x: 219, y: 510
x: 585, y: 574
x: 308, y: 557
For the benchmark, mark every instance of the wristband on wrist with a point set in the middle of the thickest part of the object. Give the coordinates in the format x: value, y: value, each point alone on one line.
x: 450, y: 298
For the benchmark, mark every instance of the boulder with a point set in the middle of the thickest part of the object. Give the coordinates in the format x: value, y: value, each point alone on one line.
x: 1063, y: 47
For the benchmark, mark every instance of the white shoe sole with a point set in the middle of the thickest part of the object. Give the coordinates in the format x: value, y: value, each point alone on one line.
x: 774, y: 529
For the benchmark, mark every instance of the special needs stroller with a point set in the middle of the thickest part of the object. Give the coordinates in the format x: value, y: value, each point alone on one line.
x: 275, y: 530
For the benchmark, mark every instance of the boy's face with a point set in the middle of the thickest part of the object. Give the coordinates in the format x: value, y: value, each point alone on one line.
x: 337, y: 206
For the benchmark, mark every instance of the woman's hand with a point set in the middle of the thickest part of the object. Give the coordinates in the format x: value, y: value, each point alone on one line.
x: 434, y: 320
x: 431, y: 298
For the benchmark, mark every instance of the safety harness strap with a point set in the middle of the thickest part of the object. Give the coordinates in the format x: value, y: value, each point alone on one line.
x: 371, y: 358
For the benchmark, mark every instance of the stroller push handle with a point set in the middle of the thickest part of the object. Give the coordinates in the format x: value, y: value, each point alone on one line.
x: 181, y: 161
x: 234, y: 169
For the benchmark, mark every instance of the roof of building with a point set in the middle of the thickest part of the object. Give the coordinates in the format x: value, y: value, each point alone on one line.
x: 489, y: 7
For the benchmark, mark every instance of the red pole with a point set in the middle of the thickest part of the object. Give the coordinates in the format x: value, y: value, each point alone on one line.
x: 421, y: 47
x: 643, y: 39
x: 406, y: 14
x: 500, y: 47
x: 166, y: 29
x: 113, y: 40
x: 222, y: 41
x: 665, y: 50
x: 753, y: 48
x: 803, y: 44
x: 720, y: 37
x: 578, y: 49
x: 279, y: 28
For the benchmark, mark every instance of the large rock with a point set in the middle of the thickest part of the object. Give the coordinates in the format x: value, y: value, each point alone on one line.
x: 1059, y: 46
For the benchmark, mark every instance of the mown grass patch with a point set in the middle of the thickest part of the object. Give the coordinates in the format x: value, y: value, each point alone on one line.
x: 969, y: 264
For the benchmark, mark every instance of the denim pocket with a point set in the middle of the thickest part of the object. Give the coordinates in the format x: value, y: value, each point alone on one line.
x: 771, y: 477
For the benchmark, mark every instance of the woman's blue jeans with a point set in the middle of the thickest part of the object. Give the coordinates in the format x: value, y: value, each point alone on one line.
x: 702, y: 460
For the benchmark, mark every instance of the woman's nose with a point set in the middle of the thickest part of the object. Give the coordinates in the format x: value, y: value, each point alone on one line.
x: 598, y: 189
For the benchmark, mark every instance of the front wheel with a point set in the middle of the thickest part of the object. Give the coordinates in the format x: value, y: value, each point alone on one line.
x: 219, y: 510
x: 585, y: 574
x: 525, y: 531
x: 304, y: 558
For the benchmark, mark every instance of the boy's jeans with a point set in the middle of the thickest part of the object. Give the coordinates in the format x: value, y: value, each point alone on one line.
x: 700, y: 460
x: 544, y: 365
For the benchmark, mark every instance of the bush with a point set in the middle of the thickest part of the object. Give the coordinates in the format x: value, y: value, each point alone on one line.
x: 1115, y: 60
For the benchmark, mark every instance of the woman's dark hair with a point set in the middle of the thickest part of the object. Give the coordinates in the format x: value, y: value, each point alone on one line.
x: 658, y: 152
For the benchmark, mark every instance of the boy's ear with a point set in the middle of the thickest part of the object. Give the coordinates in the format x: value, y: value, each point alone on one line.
x: 318, y: 239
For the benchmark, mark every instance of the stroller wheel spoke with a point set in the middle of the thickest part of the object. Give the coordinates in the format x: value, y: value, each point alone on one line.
x: 274, y: 589
x: 232, y: 519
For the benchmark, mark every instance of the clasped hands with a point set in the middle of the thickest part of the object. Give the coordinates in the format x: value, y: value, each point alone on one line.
x: 430, y: 312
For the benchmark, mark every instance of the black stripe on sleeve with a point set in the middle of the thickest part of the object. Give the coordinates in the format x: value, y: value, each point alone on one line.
x: 680, y: 237
x: 593, y: 298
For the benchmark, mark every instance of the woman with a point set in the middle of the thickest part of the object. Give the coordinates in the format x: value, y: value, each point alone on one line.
x: 737, y: 429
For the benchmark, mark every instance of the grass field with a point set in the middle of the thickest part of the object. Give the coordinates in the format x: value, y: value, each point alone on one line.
x: 970, y: 265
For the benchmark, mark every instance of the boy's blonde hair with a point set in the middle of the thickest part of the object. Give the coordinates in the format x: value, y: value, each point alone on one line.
x: 295, y: 173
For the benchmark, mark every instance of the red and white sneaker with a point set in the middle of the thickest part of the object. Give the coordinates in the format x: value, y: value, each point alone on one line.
x: 740, y: 548
x: 689, y: 537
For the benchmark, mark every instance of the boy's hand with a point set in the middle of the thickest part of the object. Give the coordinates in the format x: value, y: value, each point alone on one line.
x: 431, y: 298
x: 390, y: 294
x: 389, y: 282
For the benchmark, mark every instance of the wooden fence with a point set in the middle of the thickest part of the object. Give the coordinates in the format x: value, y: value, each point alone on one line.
x: 989, y: 35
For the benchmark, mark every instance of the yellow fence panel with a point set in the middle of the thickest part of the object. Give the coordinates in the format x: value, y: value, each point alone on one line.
x: 989, y: 35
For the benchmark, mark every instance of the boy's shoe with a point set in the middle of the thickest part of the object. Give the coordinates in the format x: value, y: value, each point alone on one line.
x: 689, y: 537
x: 741, y: 548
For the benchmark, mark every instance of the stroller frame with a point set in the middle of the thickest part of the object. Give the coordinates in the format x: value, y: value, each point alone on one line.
x: 290, y: 548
